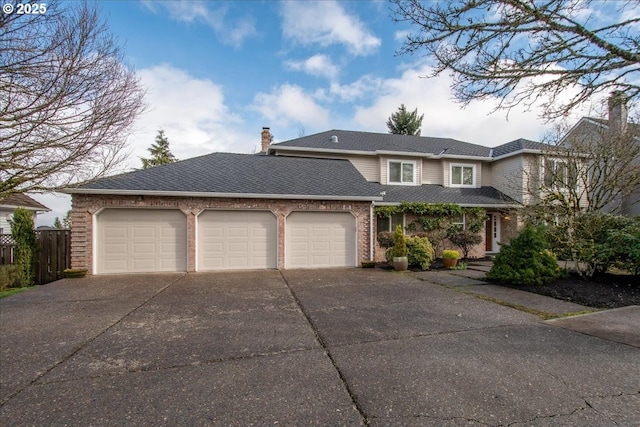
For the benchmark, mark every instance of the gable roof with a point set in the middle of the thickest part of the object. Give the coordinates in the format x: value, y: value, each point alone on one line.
x: 370, y: 142
x: 20, y: 200
x: 242, y: 175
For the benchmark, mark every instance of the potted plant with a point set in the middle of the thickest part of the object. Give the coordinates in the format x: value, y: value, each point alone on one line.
x: 72, y: 273
x: 450, y: 257
x: 400, y: 260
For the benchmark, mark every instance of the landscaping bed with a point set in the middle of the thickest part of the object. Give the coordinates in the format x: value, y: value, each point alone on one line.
x: 602, y: 291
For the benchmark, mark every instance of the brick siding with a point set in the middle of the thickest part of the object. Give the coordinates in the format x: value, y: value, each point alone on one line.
x: 84, y: 208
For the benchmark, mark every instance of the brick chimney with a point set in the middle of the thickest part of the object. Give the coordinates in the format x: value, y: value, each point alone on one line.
x: 265, y: 139
x: 618, y: 112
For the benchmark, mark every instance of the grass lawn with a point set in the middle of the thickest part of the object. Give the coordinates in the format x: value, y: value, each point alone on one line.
x: 12, y: 291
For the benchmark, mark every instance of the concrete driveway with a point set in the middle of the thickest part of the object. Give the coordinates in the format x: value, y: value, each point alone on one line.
x: 330, y: 347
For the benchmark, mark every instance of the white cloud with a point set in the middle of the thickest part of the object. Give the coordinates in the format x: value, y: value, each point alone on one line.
x: 290, y: 104
x: 365, y: 86
x: 191, y: 111
x: 58, y: 203
x: 229, y: 32
x: 326, y: 23
x: 316, y: 65
x: 442, y: 116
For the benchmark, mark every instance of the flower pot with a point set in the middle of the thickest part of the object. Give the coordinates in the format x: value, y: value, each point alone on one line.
x: 401, y: 263
x: 448, y: 262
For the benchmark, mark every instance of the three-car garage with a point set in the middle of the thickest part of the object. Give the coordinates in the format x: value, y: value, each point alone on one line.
x: 133, y: 240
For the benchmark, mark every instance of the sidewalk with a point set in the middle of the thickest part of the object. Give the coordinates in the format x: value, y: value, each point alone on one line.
x: 620, y: 325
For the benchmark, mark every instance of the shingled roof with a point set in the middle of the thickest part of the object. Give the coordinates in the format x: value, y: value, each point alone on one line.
x: 228, y: 174
x: 517, y: 145
x: 18, y: 200
x: 372, y: 142
x: 432, y: 193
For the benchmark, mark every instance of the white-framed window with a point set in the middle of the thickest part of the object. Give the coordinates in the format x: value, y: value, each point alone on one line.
x: 560, y: 174
x: 401, y: 172
x: 463, y: 175
x: 385, y: 223
x: 459, y: 221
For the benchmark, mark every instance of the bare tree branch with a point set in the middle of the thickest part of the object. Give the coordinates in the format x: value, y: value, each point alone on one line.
x: 520, y: 51
x: 67, y: 100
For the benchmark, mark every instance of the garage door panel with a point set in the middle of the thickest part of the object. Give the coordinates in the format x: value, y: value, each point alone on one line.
x: 144, y: 249
x: 236, y: 240
x: 320, y: 239
x: 141, y: 240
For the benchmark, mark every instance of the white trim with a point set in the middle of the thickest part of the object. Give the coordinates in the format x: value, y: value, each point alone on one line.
x: 462, y: 205
x: 222, y: 209
x: 356, y: 241
x: 463, y: 165
x: 29, y: 208
x: 402, y: 162
x: 496, y: 220
x: 94, y: 233
x: 381, y: 153
x: 216, y: 195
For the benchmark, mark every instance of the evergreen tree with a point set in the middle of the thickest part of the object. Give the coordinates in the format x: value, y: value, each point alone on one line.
x: 66, y: 221
x: 57, y: 223
x: 160, y: 152
x: 24, y: 237
x: 403, y: 122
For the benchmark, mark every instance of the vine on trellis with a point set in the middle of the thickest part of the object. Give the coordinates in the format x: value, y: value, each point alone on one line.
x: 436, y: 219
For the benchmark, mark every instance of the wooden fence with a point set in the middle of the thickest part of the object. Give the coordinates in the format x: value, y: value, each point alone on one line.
x: 52, y: 257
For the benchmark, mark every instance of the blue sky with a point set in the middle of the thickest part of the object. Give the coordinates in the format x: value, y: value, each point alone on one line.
x: 217, y: 72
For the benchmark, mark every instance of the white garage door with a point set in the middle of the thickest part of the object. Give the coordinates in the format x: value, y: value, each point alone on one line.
x: 237, y: 240
x: 320, y: 239
x: 141, y: 241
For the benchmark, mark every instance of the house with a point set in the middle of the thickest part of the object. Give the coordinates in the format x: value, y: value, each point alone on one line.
x: 17, y: 200
x: 591, y: 134
x: 304, y: 203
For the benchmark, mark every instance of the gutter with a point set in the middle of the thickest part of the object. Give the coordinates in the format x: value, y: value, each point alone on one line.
x: 464, y: 205
x: 112, y: 192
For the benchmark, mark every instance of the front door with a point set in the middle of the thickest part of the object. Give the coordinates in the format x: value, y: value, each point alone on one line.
x: 492, y: 232
x: 488, y: 230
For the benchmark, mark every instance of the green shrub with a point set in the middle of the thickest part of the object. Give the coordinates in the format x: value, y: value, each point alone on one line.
x: 9, y: 277
x: 25, y: 248
x: 596, y: 241
x: 624, y: 246
x: 465, y: 240
x: 385, y: 239
x: 526, y: 260
x: 450, y: 254
x: 419, y: 252
x: 399, y: 243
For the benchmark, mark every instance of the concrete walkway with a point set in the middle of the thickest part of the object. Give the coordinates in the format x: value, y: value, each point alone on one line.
x: 326, y: 347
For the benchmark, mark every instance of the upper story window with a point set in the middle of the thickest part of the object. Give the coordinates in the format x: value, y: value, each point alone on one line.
x: 560, y: 174
x: 463, y: 175
x: 401, y: 172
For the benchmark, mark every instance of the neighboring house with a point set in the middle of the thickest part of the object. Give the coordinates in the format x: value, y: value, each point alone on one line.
x: 304, y: 203
x: 9, y: 204
x: 594, y: 131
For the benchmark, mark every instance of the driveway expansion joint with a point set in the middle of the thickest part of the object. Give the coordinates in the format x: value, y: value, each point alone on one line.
x: 327, y: 351
x: 86, y: 343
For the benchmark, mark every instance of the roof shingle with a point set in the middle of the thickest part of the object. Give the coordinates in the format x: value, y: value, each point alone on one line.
x: 371, y: 142
x: 229, y: 173
x: 433, y: 193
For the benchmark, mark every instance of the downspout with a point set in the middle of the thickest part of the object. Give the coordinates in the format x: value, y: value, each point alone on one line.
x: 371, y: 258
